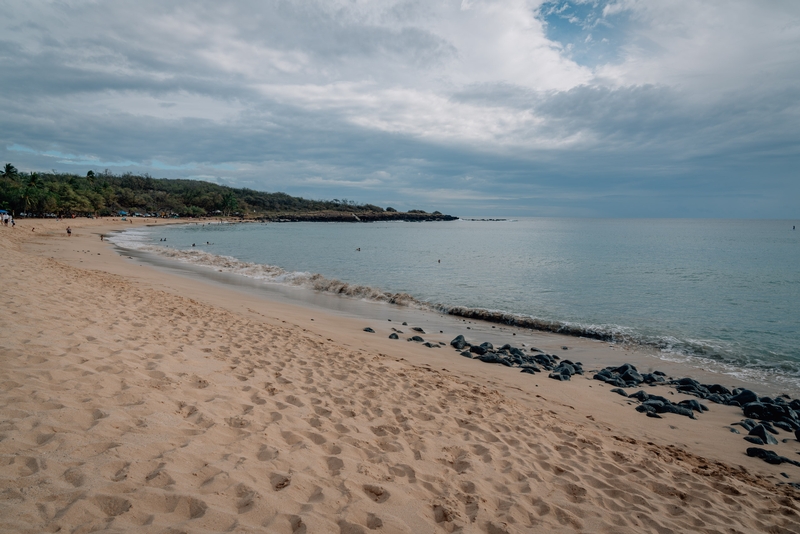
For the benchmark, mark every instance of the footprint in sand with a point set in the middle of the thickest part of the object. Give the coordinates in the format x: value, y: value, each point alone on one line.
x: 335, y: 465
x: 279, y: 481
x: 376, y: 493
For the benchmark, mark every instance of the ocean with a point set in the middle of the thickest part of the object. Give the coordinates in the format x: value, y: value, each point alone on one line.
x: 722, y: 295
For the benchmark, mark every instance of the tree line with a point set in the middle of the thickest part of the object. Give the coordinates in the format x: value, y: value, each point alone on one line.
x: 105, y: 194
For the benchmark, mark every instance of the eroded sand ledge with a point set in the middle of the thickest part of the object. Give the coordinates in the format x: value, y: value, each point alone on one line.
x: 133, y: 400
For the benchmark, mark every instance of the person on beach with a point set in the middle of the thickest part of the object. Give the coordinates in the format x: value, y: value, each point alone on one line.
x: 69, y: 231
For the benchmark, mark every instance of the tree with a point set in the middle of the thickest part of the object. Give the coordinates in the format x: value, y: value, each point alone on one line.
x: 229, y: 203
x: 10, y: 171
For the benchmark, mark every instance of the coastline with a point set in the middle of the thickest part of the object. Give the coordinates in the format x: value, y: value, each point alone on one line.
x: 321, y: 413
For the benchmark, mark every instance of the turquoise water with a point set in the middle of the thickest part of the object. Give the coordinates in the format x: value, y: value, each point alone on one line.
x: 721, y: 291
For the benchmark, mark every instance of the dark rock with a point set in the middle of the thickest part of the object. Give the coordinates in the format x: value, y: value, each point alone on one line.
x: 603, y: 375
x: 784, y: 425
x: 686, y: 382
x: 491, y: 357
x: 478, y: 349
x: 654, y: 415
x: 693, y: 405
x: 486, y: 345
x: 760, y: 431
x: 767, y: 412
x: 691, y: 389
x: 678, y: 410
x: 769, y: 456
x: 459, y: 342
x: 534, y: 349
x: 718, y: 399
x: 530, y: 368
x: 417, y: 329
x: 769, y: 428
x: 558, y: 375
x: 645, y: 408
x: 622, y: 369
x: 748, y: 424
x: 655, y: 404
x: 466, y: 354
x: 641, y: 396
x: 734, y: 430
x: 405, y: 323
x: 431, y: 345
x: 652, y: 378
x: 744, y: 396
x: 620, y: 392
x: 755, y: 439
x: 416, y: 338
x: 370, y: 330
x: 393, y: 336
x: 516, y: 352
x: 717, y: 389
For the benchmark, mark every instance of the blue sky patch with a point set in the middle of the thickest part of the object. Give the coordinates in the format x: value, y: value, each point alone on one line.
x: 589, y: 38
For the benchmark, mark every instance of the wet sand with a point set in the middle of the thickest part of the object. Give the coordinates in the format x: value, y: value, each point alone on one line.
x: 135, y: 399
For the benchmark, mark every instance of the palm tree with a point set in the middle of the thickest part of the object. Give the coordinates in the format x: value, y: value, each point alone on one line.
x: 9, y: 170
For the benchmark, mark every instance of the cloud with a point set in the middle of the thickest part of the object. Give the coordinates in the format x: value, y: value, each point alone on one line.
x: 613, y: 108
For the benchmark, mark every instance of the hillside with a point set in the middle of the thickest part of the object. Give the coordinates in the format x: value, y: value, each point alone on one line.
x: 105, y: 194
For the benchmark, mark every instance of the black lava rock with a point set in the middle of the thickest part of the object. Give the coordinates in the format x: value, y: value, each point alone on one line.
x: 760, y: 431
x: 417, y: 329
x: 393, y: 336
x: 459, y: 342
x: 769, y: 456
x: 370, y: 330
x: 744, y: 396
x: 478, y: 349
x: 416, y: 338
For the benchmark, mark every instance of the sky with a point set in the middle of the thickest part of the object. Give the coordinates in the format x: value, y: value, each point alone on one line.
x: 522, y: 108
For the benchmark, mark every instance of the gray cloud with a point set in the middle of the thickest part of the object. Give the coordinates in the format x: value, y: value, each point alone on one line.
x: 413, y: 104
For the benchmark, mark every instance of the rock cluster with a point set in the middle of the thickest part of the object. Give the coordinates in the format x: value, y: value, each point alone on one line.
x: 626, y: 376
x: 511, y: 356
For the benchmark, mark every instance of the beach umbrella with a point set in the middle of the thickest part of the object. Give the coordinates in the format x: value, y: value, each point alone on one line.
x: 3, y: 211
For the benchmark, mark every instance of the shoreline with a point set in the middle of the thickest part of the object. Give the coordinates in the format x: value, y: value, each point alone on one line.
x: 307, y: 399
x: 765, y: 380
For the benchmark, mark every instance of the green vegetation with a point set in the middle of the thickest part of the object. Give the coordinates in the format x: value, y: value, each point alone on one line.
x: 104, y: 194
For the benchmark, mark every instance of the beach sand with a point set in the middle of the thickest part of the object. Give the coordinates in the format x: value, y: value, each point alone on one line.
x: 134, y: 400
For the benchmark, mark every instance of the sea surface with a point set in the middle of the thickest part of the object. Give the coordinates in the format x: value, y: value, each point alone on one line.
x: 717, y: 294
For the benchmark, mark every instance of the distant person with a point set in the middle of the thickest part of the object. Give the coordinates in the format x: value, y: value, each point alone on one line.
x: 13, y: 222
x: 69, y: 231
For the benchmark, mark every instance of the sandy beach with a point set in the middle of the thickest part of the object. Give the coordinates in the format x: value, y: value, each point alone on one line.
x: 135, y: 400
